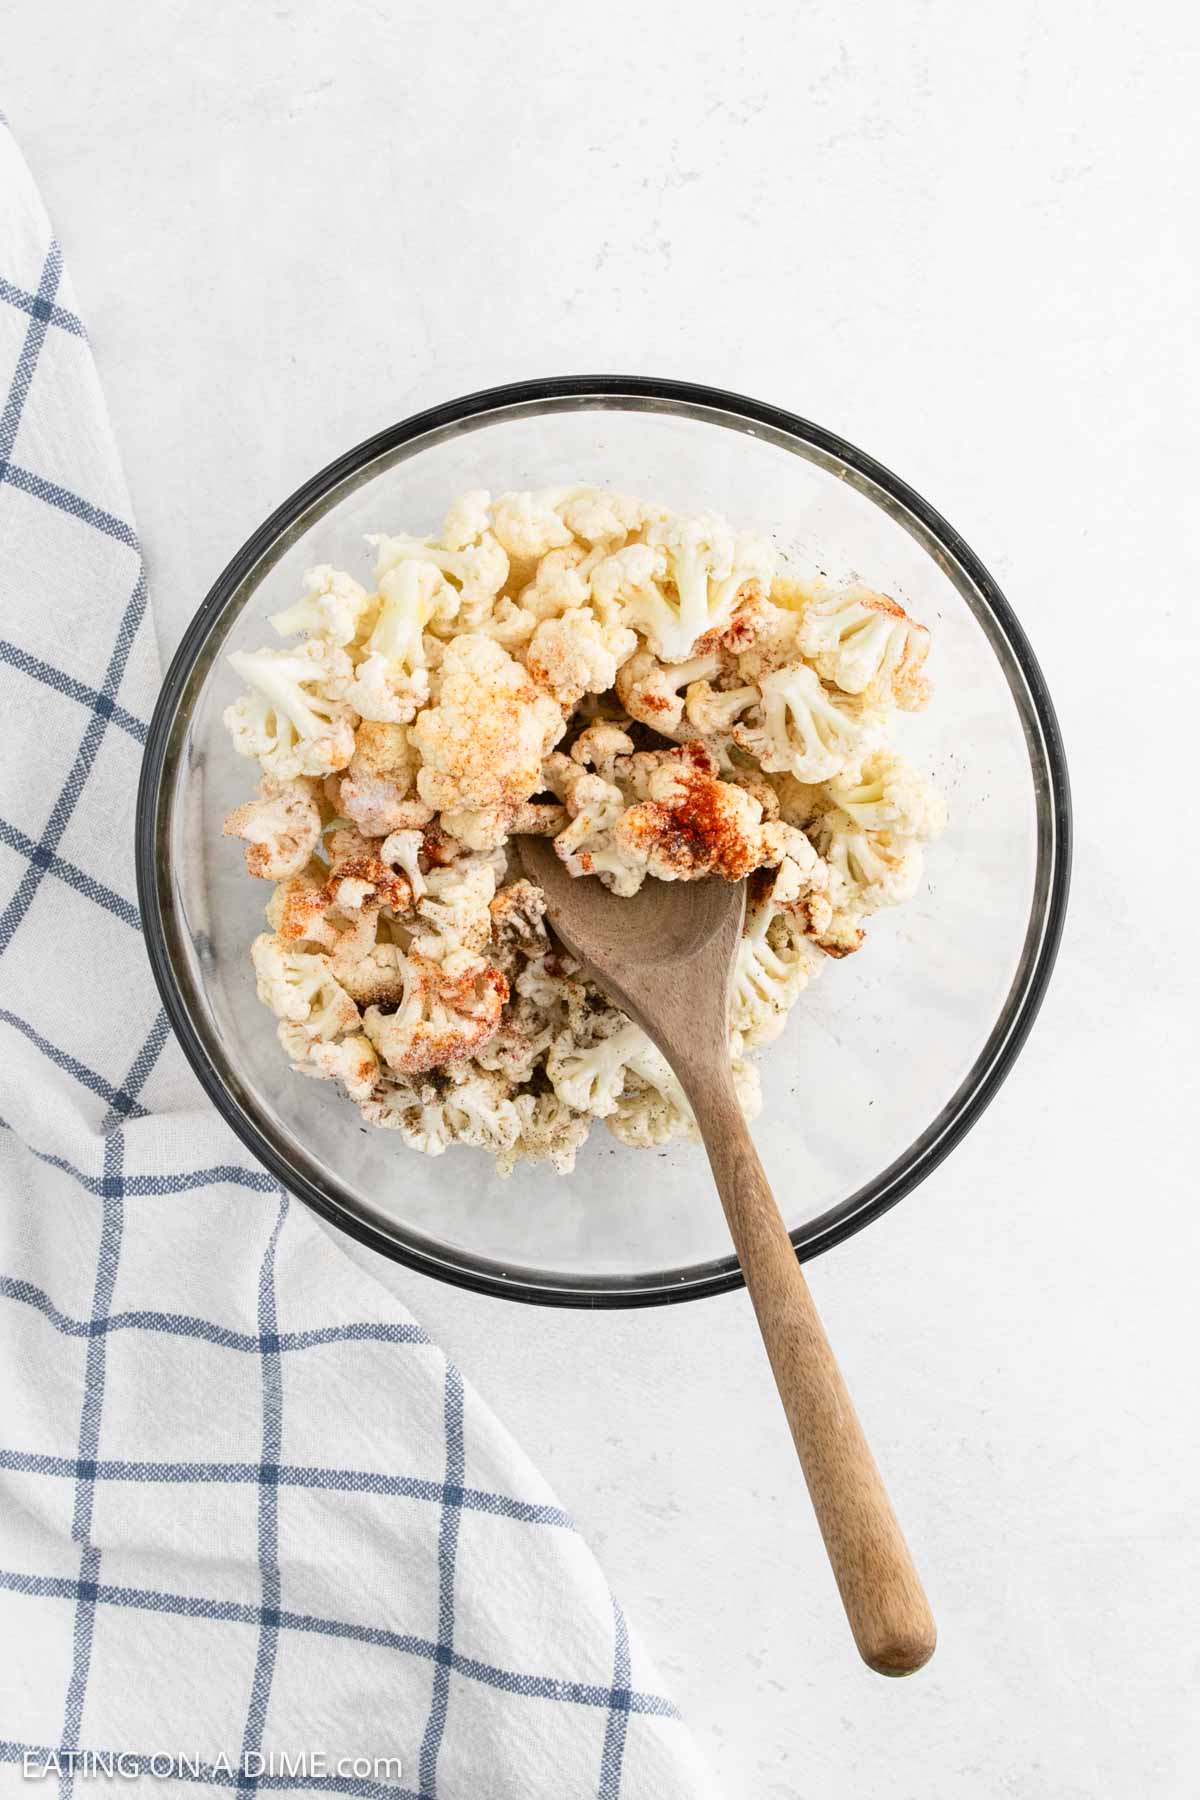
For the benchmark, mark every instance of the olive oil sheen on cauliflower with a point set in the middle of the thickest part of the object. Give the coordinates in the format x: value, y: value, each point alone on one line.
x: 655, y: 693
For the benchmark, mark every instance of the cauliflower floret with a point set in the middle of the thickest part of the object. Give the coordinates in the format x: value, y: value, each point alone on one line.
x: 510, y: 624
x: 800, y: 729
x: 527, y: 524
x: 865, y: 643
x: 376, y: 792
x: 709, y: 570
x: 601, y: 746
x: 352, y: 1061
x: 293, y: 720
x: 467, y: 520
x: 415, y: 1108
x: 599, y: 516
x: 478, y: 1110
x: 299, y: 988
x: 879, y: 868
x: 296, y: 911
x: 482, y: 745
x: 391, y: 683
x: 455, y: 906
x: 595, y: 805
x: 331, y: 607
x: 653, y: 692
x: 282, y: 828
x: 518, y: 912
x: 450, y: 1008
x: 402, y: 850
x: 774, y: 963
x: 562, y: 581
x: 774, y: 642
x: 688, y: 823
x: 550, y: 1132
x: 889, y: 795
x: 589, y: 1076
x: 526, y: 1033
x: 576, y: 655
x: 629, y: 577
x: 713, y: 712
x: 472, y: 576
x: 552, y: 982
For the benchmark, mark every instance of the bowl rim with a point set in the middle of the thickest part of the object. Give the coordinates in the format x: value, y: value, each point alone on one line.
x: 974, y: 1093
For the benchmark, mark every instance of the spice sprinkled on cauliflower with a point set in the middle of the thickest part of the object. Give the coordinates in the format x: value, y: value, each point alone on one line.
x: 658, y: 694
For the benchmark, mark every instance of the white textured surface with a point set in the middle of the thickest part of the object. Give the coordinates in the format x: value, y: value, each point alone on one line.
x: 958, y: 238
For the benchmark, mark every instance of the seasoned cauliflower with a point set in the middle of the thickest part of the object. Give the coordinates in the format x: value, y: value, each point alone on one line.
x: 659, y: 695
x: 482, y: 745
x: 708, y: 570
x: 799, y: 729
x: 866, y: 643
x: 887, y: 794
x: 774, y: 963
x: 282, y: 828
x: 377, y: 791
x: 575, y: 655
x: 449, y: 1009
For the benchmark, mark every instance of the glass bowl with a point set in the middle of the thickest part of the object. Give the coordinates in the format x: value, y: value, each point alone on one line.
x: 887, y: 1059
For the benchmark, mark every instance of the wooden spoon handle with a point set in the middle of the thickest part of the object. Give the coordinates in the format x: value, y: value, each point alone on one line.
x: 881, y: 1591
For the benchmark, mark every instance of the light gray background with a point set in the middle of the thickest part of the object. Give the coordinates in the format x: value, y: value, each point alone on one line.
x: 960, y: 237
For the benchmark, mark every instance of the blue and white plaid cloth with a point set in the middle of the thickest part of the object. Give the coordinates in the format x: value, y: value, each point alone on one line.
x: 248, y: 1512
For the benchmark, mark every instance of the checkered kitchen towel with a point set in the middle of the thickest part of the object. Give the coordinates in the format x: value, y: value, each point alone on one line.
x: 255, y: 1532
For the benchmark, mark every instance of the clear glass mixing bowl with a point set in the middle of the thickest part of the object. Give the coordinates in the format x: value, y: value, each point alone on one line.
x: 887, y: 1059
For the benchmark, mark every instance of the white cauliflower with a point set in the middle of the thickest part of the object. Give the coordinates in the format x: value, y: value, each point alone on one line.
x: 688, y: 823
x: 601, y: 747
x: 888, y: 794
x: 282, y: 828
x: 590, y: 1076
x: 479, y: 1111
x: 299, y: 988
x: 879, y: 868
x: 455, y: 906
x: 391, y: 683
x: 482, y: 745
x: 402, y: 850
x: 331, y: 606
x: 471, y: 576
x: 713, y: 712
x: 709, y: 570
x: 528, y: 525
x: 653, y: 691
x: 626, y: 579
x: 774, y: 963
x: 551, y: 1131
x: 415, y: 1108
x: 450, y: 1008
x: 576, y: 655
x: 468, y: 520
x: 599, y: 516
x: 594, y: 804
x: 799, y: 729
x: 563, y: 581
x: 377, y: 791
x: 865, y: 643
x: 293, y: 719
x: 351, y: 1060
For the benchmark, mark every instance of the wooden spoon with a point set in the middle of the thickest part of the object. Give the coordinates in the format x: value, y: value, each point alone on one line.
x: 666, y: 957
